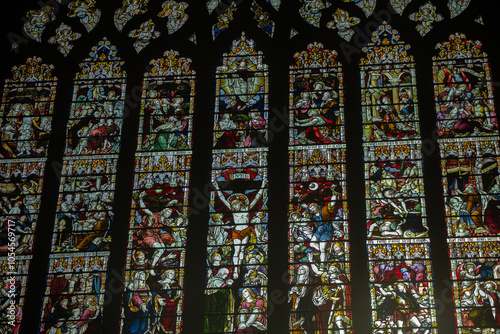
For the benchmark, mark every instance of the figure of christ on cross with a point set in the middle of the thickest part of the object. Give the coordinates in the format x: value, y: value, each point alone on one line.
x: 239, y: 206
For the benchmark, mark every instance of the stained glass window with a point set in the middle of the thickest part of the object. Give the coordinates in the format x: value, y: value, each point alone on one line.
x: 343, y: 23
x: 223, y: 19
x: 457, y: 7
x: 425, y: 17
x: 469, y: 147
x: 175, y: 13
x: 76, y: 277
x: 128, y: 10
x: 144, y: 34
x: 275, y: 3
x: 399, y: 5
x: 367, y: 6
x: 86, y: 11
x: 401, y: 281
x: 154, y: 276
x: 37, y: 21
x: 263, y: 19
x: 157, y: 217
x: 211, y: 5
x: 311, y: 10
x: 26, y: 124
x: 64, y: 38
x: 319, y: 269
x: 237, y: 250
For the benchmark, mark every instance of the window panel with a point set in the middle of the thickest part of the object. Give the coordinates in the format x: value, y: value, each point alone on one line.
x: 237, y: 243
x: 319, y: 298
x: 26, y: 125
x: 388, y: 96
x: 74, y: 294
x: 77, y: 273
x: 237, y: 238
x: 157, y: 235
x: 85, y: 206
x: 14, y: 278
x: 95, y: 120
x: 241, y: 111
x: 167, y: 106
x: 468, y: 142
x: 399, y: 261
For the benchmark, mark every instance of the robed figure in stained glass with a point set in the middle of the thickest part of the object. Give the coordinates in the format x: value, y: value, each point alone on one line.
x: 219, y: 303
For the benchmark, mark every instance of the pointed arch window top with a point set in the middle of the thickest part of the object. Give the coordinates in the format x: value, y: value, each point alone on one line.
x: 243, y: 47
x: 103, y: 51
x: 102, y: 63
x: 170, y: 64
x: 386, y: 47
x: 32, y: 71
x: 385, y: 35
x: 459, y: 47
x: 316, y: 56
